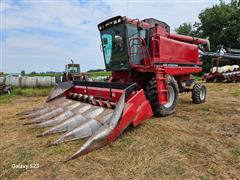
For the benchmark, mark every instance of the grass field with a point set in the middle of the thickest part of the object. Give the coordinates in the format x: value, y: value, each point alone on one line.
x: 52, y: 75
x: 90, y: 74
x: 197, y: 142
x: 99, y: 73
x: 23, y: 92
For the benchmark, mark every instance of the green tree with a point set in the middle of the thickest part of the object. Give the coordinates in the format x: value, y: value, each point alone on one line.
x: 221, y: 23
x: 23, y: 73
x: 185, y: 29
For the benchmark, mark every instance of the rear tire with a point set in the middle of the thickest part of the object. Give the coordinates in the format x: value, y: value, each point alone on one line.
x: 199, y: 93
x: 152, y: 95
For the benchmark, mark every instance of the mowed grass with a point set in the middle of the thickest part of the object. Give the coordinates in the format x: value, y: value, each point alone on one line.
x: 25, y: 92
x: 236, y: 93
x: 196, y: 142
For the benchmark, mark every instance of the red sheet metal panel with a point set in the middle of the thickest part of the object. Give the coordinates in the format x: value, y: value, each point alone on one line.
x: 136, y: 110
x: 173, y: 51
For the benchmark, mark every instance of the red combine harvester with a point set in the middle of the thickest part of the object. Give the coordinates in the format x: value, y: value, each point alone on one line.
x: 150, y: 67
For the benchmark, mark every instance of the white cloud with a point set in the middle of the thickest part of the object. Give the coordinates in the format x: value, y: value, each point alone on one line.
x: 45, y: 35
x: 172, y: 12
x: 30, y: 40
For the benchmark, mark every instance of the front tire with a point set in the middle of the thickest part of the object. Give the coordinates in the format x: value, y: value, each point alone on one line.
x: 152, y: 95
x: 199, y: 93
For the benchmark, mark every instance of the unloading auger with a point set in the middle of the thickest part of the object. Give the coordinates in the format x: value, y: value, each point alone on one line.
x: 98, y: 111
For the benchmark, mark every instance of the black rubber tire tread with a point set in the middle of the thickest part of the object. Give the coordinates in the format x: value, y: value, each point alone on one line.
x: 196, y: 93
x: 64, y: 78
x: 152, y: 96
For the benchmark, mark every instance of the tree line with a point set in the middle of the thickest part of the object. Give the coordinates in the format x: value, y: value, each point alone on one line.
x: 220, y: 24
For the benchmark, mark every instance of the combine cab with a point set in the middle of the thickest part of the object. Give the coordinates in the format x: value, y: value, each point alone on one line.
x: 150, y: 67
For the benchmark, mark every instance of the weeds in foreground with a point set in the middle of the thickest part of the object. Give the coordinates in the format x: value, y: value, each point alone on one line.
x: 236, y: 93
x: 236, y: 151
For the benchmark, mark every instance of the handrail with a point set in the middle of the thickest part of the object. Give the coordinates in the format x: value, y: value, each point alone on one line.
x: 158, y: 45
x: 142, y: 44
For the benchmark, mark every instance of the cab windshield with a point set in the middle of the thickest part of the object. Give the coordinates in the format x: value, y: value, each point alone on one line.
x: 115, y: 47
x: 115, y: 42
x: 73, y: 69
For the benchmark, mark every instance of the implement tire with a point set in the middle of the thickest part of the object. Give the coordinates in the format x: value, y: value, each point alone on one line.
x: 152, y: 95
x: 199, y: 93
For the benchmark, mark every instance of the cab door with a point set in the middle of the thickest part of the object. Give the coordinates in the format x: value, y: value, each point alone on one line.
x: 137, y: 45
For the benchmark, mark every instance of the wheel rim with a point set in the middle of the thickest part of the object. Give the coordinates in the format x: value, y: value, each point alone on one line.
x: 202, y: 94
x: 171, y: 97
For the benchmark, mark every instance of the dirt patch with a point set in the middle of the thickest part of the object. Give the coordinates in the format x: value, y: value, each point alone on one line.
x: 198, y: 141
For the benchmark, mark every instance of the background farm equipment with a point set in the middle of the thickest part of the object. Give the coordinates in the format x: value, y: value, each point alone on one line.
x: 150, y: 67
x: 227, y: 73
x: 72, y: 72
x: 5, y: 89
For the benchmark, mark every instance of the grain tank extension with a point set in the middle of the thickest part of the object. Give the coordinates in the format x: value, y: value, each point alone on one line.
x: 150, y: 67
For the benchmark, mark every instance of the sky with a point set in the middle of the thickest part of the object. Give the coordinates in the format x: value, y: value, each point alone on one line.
x: 43, y: 35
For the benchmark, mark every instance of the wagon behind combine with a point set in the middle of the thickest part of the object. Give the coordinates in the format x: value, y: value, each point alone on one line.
x: 228, y: 73
x: 5, y: 89
x: 149, y: 65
